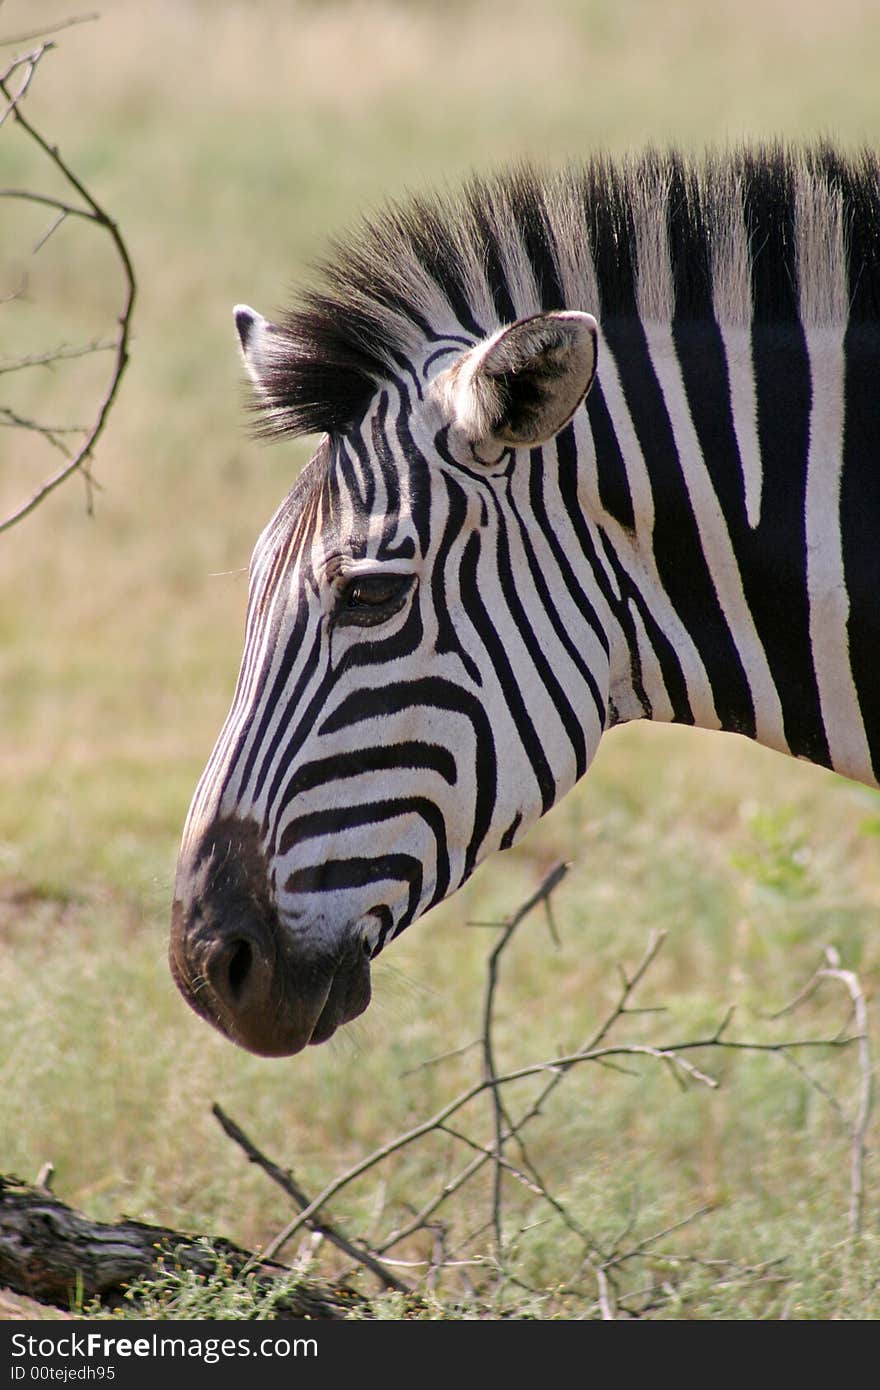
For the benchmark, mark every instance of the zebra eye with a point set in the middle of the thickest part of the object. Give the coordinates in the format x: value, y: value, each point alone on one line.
x: 367, y: 599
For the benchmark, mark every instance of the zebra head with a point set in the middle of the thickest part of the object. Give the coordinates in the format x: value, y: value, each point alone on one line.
x: 474, y: 577
x: 400, y: 710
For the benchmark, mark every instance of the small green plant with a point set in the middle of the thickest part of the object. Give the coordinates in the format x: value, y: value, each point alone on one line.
x: 776, y: 856
x: 179, y: 1292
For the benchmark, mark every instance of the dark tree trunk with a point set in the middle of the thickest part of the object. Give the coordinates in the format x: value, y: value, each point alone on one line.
x: 56, y: 1255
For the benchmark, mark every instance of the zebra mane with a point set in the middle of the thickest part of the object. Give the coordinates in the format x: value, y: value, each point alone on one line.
x: 771, y: 234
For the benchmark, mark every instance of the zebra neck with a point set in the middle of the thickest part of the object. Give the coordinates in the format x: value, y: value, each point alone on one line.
x: 738, y: 493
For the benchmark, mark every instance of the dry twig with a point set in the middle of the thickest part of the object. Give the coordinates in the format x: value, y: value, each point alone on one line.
x: 504, y: 1126
x: 858, y: 1127
x: 15, y: 82
x: 604, y: 1265
x: 286, y: 1181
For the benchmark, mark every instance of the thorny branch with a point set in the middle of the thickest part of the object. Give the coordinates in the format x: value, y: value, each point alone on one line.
x: 15, y: 81
x: 858, y: 1129
x: 603, y: 1264
x: 504, y: 1127
x: 286, y: 1181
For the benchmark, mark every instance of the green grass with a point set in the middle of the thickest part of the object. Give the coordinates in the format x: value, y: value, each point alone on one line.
x: 230, y: 141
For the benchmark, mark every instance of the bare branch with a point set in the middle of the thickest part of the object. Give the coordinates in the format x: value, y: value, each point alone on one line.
x: 51, y: 433
x: 286, y: 1181
x: 19, y: 291
x: 59, y: 354
x: 26, y: 195
x: 29, y: 62
x: 621, y: 1006
x: 859, y: 1128
x: 92, y: 211
x: 441, y: 1057
x: 421, y: 1218
x: 605, y: 1305
x: 501, y: 1119
x: 610, y: 1298
x: 523, y: 1178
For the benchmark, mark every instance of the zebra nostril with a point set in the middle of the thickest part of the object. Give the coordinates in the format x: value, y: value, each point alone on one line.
x: 233, y: 969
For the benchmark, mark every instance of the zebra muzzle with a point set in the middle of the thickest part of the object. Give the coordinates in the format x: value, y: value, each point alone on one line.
x: 269, y: 988
x: 261, y: 998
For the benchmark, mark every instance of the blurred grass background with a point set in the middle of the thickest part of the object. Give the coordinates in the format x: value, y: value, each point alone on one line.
x: 230, y: 141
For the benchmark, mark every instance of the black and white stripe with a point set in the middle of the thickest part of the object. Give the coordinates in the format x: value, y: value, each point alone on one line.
x: 451, y: 607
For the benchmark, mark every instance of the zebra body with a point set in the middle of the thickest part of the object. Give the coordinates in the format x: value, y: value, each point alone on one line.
x: 597, y: 447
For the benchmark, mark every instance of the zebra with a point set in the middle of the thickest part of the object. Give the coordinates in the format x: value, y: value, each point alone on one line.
x: 596, y: 444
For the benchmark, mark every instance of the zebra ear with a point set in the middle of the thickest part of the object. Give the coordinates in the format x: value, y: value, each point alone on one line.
x: 255, y: 335
x: 524, y: 383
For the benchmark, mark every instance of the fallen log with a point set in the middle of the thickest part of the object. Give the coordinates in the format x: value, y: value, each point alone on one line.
x: 59, y: 1256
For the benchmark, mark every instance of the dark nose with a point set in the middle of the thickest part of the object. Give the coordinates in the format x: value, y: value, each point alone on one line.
x: 239, y: 967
